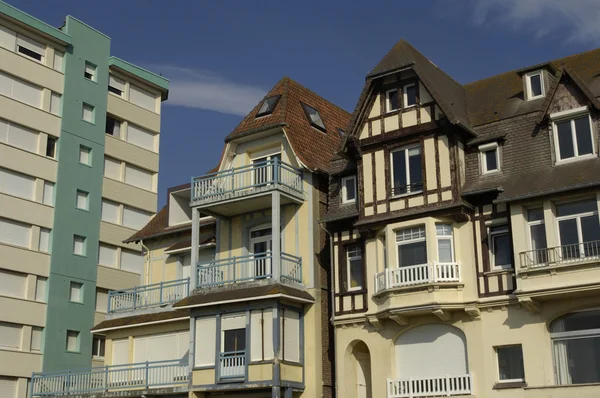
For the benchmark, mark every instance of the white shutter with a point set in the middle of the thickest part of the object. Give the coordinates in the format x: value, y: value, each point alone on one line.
x: 112, y: 169
x: 138, y: 177
x: 27, y: 93
x: 140, y: 349
x: 23, y: 138
x: 32, y: 45
x: 110, y: 212
x: 12, y: 284
x: 6, y: 84
x: 107, y: 255
x: 36, y: 339
x: 141, y: 137
x: 79, y: 245
x: 17, y: 184
x: 116, y: 83
x: 75, y: 294
x: 55, y: 103
x: 3, y: 124
x: 205, y: 341
x: 84, y: 155
x: 135, y: 219
x: 120, y: 351
x: 40, y: 289
x: 261, y: 335
x: 132, y: 261
x: 10, y: 335
x: 48, y: 198
x: 14, y: 233
x: 44, y: 243
x: 142, y: 98
x: 58, y: 60
x: 431, y: 350
x: 88, y: 113
x: 8, y: 387
x: 231, y: 322
x: 82, y: 200
x: 291, y: 336
x: 8, y: 40
x: 101, y: 301
x: 162, y: 347
x: 183, y: 346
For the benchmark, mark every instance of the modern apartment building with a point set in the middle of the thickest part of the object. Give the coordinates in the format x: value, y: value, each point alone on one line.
x: 465, y: 233
x: 79, y: 132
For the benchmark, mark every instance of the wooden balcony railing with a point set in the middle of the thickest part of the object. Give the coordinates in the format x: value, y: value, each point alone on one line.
x: 417, y: 275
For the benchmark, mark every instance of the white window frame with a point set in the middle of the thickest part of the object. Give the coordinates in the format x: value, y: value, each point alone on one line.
x: 411, y: 240
x: 492, y: 255
x: 102, y: 338
x: 577, y: 217
x: 571, y: 115
x: 528, y: 77
x: 532, y: 224
x: 348, y: 259
x: 407, y: 170
x: 498, y: 380
x: 492, y: 146
x: 388, y: 104
x: 445, y: 237
x: 405, y: 96
x: 345, y: 191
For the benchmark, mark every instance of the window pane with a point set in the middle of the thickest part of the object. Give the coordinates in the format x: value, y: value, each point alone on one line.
x: 84, y: 155
x: 571, y: 208
x: 578, y: 360
x: 510, y: 363
x: 399, y: 170
x: 565, y: 140
x: 107, y: 255
x: 72, y: 340
x: 235, y: 340
x: 414, y: 164
x: 82, y: 200
x: 445, y: 250
x: 501, y: 248
x: 113, y: 127
x: 412, y: 254
x: 411, y: 95
x: 575, y: 321
x: 88, y: 113
x: 535, y: 214
x: 350, y: 184
x: 583, y: 135
x: 491, y: 161
x: 535, y: 82
x: 356, y: 273
x: 443, y: 229
x: 110, y: 212
x: 538, y: 237
x: 393, y: 100
x: 590, y: 231
x: 78, y: 245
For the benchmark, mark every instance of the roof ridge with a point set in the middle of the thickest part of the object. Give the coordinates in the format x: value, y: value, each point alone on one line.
x: 284, y: 99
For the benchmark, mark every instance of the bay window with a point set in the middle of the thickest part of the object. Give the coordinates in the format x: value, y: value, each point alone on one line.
x: 407, y: 173
x: 412, y: 246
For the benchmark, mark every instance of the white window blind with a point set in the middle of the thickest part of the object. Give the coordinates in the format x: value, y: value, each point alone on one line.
x: 142, y: 98
x: 8, y: 387
x: 12, y: 284
x: 8, y: 38
x: 18, y: 136
x: 14, y: 233
x: 72, y: 340
x: 261, y: 335
x: 55, y: 103
x: 58, y: 60
x: 79, y: 245
x: 120, y: 354
x: 291, y: 335
x: 110, y: 211
x: 141, y: 137
x: 31, y: 46
x: 36, y: 339
x: 10, y: 335
x: 116, y: 85
x: 76, y: 294
x: 17, y: 184
x: 88, y: 113
x: 101, y: 301
x: 84, y: 155
x: 135, y: 219
x: 112, y: 169
x: 23, y: 91
x: 44, y: 244
x: 48, y: 197
x: 82, y: 200
x: 132, y: 261
x: 204, y: 341
x: 161, y: 347
x: 138, y: 177
x: 40, y: 289
x: 90, y: 71
x: 107, y: 255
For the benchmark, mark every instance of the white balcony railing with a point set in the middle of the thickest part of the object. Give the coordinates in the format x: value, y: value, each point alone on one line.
x: 417, y: 275
x: 232, y: 364
x: 561, y: 255
x: 443, y: 386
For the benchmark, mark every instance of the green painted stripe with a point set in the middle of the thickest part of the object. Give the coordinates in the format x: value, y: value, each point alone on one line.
x: 35, y: 23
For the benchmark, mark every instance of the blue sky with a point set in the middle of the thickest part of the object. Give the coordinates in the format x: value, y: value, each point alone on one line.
x: 223, y: 56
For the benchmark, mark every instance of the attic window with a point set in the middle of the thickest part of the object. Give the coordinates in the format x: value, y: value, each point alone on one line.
x: 341, y: 132
x: 268, y: 106
x: 534, y: 82
x: 314, y: 117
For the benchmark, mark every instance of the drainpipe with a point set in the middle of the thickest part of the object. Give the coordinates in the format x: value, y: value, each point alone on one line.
x: 332, y: 301
x: 147, y: 278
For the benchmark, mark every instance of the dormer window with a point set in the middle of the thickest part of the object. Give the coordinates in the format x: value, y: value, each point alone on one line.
x: 391, y: 100
x: 314, y: 117
x: 341, y: 132
x: 268, y: 106
x: 573, y: 137
x: 349, y: 189
x: 489, y: 158
x: 410, y: 95
x: 534, y: 82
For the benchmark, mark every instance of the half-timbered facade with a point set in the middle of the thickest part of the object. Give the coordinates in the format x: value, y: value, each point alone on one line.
x: 464, y: 229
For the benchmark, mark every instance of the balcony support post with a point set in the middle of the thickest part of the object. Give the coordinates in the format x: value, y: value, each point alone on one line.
x: 276, y: 235
x: 194, y: 247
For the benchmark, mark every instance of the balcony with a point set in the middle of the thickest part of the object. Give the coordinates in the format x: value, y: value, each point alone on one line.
x: 444, y: 386
x: 565, y: 255
x: 216, y: 192
x: 148, y: 296
x: 232, y: 365
x: 107, y: 379
x: 416, y: 275
x: 252, y: 267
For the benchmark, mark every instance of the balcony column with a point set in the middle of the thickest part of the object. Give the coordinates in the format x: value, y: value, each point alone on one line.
x: 194, y: 247
x: 276, y: 235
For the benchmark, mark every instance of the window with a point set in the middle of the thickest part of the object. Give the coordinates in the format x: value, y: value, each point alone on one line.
x: 354, y: 266
x: 36, y: 339
x: 576, y: 347
x: 499, y: 244
x: 88, y: 113
x: 85, y: 155
x: 510, y: 363
x: 290, y: 327
x: 44, y: 244
x: 535, y: 85
x: 349, y: 189
x: 8, y: 38
x: 18, y: 136
x: 489, y: 158
x: 313, y: 117
x: 72, y: 341
x: 76, y: 292
x: 40, y: 289
x: 113, y: 127
x: 412, y: 246
x: 141, y: 137
x: 48, y: 195
x: 98, y: 346
x: 268, y: 106
x: 12, y: 284
x: 537, y: 236
x: 20, y: 90
x: 55, y: 103
x: 116, y: 85
x: 234, y: 340
x: 90, y: 71
x: 82, y: 201
x: 107, y: 255
x: 101, y: 300
x: 79, y: 245
x: 8, y: 385
x: 17, y: 184
x: 51, y: 147
x: 135, y: 219
x: 132, y: 261
x: 578, y: 229
x: 341, y: 132
x: 112, y: 169
x: 10, y: 336
x: 445, y: 245
x: 14, y: 233
x: 138, y: 177
x: 143, y: 98
x: 110, y: 212
x: 57, y: 63
x: 410, y: 95
x: 573, y: 137
x: 391, y: 100
x: 407, y: 173
x: 206, y: 336
x: 31, y: 48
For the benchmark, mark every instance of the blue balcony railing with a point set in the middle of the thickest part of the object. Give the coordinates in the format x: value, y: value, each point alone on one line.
x: 232, y: 365
x: 245, y: 268
x: 110, y: 378
x: 154, y: 295
x: 240, y: 181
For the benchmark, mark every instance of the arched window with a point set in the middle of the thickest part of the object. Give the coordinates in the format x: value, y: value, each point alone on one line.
x: 576, y: 347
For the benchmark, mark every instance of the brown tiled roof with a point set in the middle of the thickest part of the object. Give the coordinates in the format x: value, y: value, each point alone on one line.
x: 143, y: 318
x: 313, y: 147
x: 158, y: 226
x: 187, y: 244
x: 241, y: 292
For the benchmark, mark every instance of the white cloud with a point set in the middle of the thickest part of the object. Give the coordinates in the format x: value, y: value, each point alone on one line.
x: 574, y: 20
x: 207, y: 90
